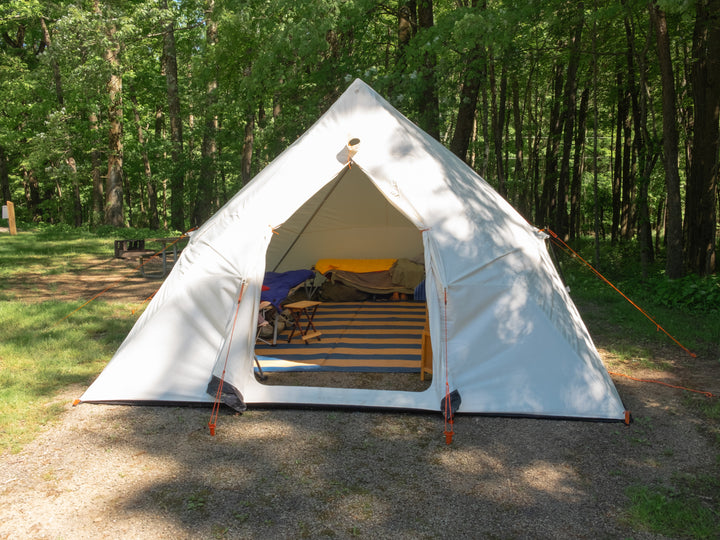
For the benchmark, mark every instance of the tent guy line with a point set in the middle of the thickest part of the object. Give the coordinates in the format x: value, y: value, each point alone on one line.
x: 555, y: 238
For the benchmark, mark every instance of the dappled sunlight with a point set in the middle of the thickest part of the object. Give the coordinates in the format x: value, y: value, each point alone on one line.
x: 555, y: 480
x: 510, y: 310
x: 339, y: 471
x: 472, y: 459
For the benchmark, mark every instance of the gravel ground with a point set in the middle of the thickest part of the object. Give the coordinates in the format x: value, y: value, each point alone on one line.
x: 155, y: 472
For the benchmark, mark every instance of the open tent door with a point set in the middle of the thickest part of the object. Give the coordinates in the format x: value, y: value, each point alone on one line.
x: 351, y: 218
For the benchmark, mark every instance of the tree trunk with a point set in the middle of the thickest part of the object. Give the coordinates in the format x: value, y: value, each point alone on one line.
x: 98, y: 190
x: 406, y: 26
x: 69, y: 159
x: 32, y: 194
x: 4, y: 177
x: 498, y: 123
x: 247, y: 150
x: 578, y: 167
x: 702, y: 185
x: 535, y: 161
x: 623, y: 106
x: 151, y: 213
x: 152, y: 195
x: 647, y: 156
x: 596, y: 198
x: 523, y: 192
x: 469, y: 89
x: 548, y: 199
x: 55, y: 67
x: 562, y: 226
x: 468, y: 104
x: 208, y: 149
x: 630, y: 150
x: 177, y: 178
x: 429, y: 104
x: 114, y: 182
x: 673, y: 265
x: 482, y: 117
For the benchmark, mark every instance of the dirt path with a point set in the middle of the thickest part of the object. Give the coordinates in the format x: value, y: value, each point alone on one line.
x: 155, y: 472
x: 112, y: 279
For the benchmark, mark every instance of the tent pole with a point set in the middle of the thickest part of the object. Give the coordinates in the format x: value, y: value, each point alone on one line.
x: 322, y: 203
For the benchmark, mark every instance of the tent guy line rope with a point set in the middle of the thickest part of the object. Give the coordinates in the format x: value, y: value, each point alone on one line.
x: 677, y: 387
x: 659, y: 328
x: 449, y: 422
x: 212, y: 423
x: 145, y: 301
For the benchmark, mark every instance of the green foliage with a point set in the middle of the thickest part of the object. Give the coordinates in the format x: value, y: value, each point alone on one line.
x: 685, y: 308
x: 620, y: 264
x: 278, y: 66
x: 691, y: 293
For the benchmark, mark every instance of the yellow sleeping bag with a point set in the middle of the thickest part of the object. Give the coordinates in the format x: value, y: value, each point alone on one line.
x: 354, y: 265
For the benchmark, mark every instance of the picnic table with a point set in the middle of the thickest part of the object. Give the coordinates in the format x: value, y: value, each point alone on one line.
x: 136, y: 249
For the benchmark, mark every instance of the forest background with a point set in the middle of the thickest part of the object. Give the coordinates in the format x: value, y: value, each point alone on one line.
x: 596, y: 118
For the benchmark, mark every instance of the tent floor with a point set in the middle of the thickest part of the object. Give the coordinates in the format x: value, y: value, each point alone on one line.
x: 409, y: 382
x: 391, y: 331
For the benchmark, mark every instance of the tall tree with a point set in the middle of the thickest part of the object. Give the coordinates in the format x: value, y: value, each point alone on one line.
x: 623, y: 107
x: 151, y: 213
x: 523, y: 193
x: 177, y: 175
x: 98, y: 189
x: 474, y: 67
x: 562, y: 227
x: 4, y: 177
x: 673, y: 265
x: 631, y: 144
x: 702, y: 184
x: 497, y: 122
x: 429, y: 104
x: 548, y: 198
x: 578, y: 168
x: 208, y: 148
x: 114, y: 181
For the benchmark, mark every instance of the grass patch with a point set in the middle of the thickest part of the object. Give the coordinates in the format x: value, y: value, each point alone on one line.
x: 708, y: 407
x: 676, y: 513
x: 39, y: 358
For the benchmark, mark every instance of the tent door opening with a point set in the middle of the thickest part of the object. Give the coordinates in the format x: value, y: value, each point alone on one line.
x: 368, y: 260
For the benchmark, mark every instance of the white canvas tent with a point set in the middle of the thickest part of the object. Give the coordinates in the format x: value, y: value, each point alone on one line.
x: 505, y: 333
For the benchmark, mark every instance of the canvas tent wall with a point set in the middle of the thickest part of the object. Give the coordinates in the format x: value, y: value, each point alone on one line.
x: 505, y: 333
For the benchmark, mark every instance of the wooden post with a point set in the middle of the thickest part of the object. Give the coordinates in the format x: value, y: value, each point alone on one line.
x: 11, y: 217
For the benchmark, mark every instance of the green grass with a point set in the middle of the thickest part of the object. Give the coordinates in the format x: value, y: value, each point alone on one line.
x: 40, y: 357
x: 684, y: 512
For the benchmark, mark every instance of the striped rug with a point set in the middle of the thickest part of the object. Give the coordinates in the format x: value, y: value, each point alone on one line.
x: 362, y: 337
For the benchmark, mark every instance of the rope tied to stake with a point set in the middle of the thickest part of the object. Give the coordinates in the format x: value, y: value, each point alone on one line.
x: 212, y: 423
x: 446, y: 407
x: 654, y: 381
